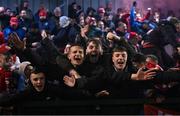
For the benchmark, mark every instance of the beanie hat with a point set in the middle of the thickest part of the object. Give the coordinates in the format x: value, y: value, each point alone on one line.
x: 42, y: 12
x: 133, y: 35
x: 64, y: 21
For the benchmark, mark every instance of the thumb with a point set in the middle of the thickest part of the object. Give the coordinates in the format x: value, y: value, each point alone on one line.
x: 140, y: 69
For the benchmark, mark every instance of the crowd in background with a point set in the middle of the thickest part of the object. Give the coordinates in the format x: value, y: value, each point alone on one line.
x: 97, y: 53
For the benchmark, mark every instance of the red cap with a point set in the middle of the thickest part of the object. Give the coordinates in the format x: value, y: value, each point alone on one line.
x: 42, y: 13
x: 133, y: 35
x: 14, y: 21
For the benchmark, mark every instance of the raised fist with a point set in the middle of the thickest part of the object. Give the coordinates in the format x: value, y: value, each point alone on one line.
x: 134, y: 3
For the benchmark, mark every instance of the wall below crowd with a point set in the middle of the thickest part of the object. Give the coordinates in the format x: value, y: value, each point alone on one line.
x: 165, y: 5
x: 98, y: 107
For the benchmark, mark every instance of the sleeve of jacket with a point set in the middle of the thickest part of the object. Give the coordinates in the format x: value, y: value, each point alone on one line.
x: 122, y: 76
x: 34, y: 57
x: 97, y: 81
x: 132, y: 16
x: 55, y: 56
x: 6, y: 33
x: 167, y: 76
x: 146, y: 17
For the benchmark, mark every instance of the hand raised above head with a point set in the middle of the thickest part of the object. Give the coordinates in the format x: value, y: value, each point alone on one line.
x: 14, y: 41
x: 134, y: 3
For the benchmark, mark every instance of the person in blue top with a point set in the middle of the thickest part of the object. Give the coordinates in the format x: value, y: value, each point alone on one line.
x: 140, y: 25
x: 14, y: 27
x: 44, y: 22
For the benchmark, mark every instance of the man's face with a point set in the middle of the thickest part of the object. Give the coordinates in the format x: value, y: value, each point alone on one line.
x: 26, y: 4
x: 101, y: 25
x: 38, y: 81
x: 82, y: 22
x: 150, y: 63
x: 23, y: 14
x: 122, y: 27
x: 92, y: 49
x: 76, y: 55
x: 119, y: 60
x: 177, y: 27
x: 57, y: 12
x: 93, y: 52
x: 110, y: 5
x: 148, y: 59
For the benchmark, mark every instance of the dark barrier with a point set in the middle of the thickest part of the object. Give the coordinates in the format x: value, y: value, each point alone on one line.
x: 90, y: 107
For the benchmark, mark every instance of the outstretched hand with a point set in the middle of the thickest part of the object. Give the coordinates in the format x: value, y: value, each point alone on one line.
x: 44, y: 34
x: 14, y: 41
x: 74, y: 73
x: 134, y: 3
x: 144, y: 75
x: 84, y: 30
x: 69, y: 81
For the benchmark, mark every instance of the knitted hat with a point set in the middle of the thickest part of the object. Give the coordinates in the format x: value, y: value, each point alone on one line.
x: 64, y: 21
x: 42, y: 12
x: 133, y: 35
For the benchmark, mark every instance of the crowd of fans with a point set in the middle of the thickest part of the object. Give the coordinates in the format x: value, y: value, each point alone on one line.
x: 90, y: 54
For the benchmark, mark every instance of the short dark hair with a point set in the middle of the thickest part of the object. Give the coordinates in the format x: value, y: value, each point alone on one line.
x: 119, y: 49
x: 35, y: 70
x: 139, y: 57
x: 76, y: 44
x: 153, y: 57
x: 97, y: 42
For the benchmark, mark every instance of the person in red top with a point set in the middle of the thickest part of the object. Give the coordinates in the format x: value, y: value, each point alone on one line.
x: 1, y: 38
x: 4, y: 75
